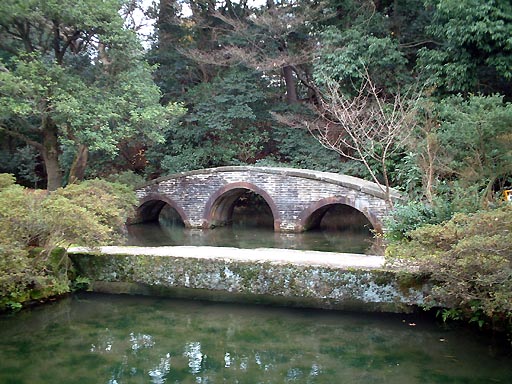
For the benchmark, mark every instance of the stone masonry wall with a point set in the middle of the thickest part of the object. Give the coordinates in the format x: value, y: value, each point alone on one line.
x: 293, y: 195
x: 319, y: 286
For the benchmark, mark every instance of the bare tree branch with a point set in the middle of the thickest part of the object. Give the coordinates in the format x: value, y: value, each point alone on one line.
x: 22, y: 137
x: 368, y: 127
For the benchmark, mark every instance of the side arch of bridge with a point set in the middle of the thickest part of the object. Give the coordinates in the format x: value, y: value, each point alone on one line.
x: 296, y: 197
x: 152, y: 204
x: 311, y: 216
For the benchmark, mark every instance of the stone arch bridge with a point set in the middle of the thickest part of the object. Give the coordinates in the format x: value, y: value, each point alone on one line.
x: 298, y: 198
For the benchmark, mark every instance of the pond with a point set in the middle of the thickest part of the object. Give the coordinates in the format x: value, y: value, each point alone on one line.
x: 117, y: 339
x: 161, y: 234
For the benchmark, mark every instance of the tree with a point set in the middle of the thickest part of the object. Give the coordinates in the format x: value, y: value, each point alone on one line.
x: 75, y: 77
x: 475, y: 135
x: 341, y: 55
x: 227, y: 123
x: 275, y: 40
x: 368, y: 128
x: 471, y: 50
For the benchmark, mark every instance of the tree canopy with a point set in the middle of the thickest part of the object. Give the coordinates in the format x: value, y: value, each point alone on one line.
x: 74, y: 80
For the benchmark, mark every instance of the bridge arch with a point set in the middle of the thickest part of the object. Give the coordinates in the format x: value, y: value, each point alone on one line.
x: 314, y: 213
x: 219, y: 207
x: 152, y: 204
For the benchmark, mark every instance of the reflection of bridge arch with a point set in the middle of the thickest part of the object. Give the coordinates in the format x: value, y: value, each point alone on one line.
x: 296, y: 197
x: 151, y: 205
x: 312, y: 216
x: 219, y: 208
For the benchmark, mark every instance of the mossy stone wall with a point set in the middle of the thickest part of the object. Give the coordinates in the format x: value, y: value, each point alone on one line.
x: 253, y: 281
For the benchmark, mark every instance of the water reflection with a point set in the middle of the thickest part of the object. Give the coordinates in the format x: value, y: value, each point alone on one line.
x: 157, y: 234
x: 141, y: 341
x: 159, y: 373
x: 195, y: 357
x: 125, y: 340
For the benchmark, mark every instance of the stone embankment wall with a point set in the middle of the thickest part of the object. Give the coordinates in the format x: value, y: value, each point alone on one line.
x: 285, y: 277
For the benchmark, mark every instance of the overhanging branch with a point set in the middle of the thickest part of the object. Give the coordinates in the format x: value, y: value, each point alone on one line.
x: 21, y: 136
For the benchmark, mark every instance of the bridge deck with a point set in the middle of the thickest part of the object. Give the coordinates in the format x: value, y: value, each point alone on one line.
x: 260, y: 255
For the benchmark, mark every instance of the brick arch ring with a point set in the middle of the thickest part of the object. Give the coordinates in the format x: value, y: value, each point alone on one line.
x: 209, y: 210
x: 306, y: 214
x: 157, y: 197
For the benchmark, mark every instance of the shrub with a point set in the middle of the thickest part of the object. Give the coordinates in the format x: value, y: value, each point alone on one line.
x: 6, y: 180
x: 412, y: 215
x: 128, y: 178
x: 36, y: 226
x: 469, y: 260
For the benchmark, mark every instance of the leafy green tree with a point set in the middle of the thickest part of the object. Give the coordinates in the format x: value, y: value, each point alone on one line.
x: 75, y: 77
x: 227, y: 124
x: 26, y: 160
x: 345, y: 56
x: 467, y: 148
x: 298, y: 148
x: 471, y: 49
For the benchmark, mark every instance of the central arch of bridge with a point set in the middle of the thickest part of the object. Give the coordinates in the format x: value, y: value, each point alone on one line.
x: 219, y: 208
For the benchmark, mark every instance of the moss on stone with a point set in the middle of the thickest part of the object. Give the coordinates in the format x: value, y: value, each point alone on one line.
x: 315, y: 286
x: 383, y: 278
x: 408, y: 281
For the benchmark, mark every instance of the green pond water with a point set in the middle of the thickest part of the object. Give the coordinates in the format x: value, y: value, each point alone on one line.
x: 108, y: 339
x: 157, y: 234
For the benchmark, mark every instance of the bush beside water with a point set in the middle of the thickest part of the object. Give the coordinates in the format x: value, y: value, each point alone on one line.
x: 469, y: 260
x: 37, y: 227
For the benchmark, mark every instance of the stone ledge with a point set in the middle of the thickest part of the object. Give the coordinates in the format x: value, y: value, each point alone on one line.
x: 306, y: 278
x: 259, y: 255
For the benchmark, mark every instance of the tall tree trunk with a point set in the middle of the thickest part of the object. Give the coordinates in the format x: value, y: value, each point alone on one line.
x: 77, y: 171
x: 50, y: 153
x: 289, y: 79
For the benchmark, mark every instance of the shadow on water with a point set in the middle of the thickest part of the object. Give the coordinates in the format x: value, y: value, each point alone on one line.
x: 337, y: 228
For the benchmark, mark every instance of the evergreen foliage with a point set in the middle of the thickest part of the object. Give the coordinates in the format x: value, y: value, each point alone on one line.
x: 469, y: 260
x: 472, y: 51
x: 36, y: 228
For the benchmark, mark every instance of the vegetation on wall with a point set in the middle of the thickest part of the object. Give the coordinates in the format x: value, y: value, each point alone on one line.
x: 469, y: 260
